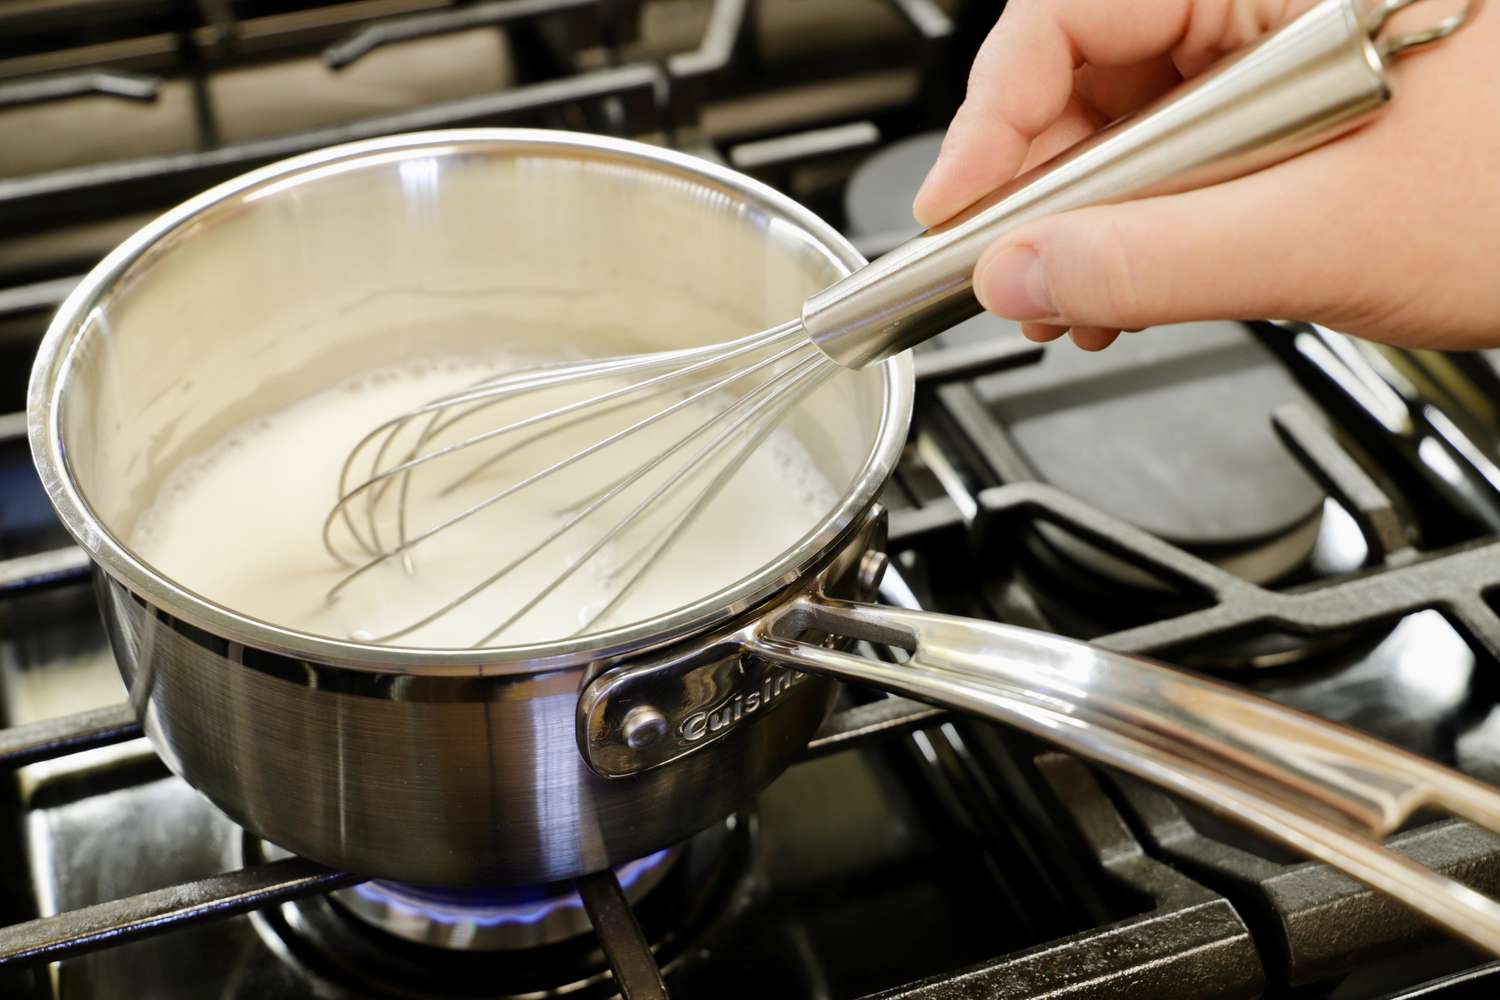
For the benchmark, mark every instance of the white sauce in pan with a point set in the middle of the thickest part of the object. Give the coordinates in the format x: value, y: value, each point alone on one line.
x: 241, y: 523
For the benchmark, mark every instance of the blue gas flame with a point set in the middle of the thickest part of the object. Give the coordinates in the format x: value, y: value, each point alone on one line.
x: 494, y: 907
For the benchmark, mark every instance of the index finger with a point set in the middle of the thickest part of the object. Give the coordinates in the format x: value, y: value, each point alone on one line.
x: 1021, y: 81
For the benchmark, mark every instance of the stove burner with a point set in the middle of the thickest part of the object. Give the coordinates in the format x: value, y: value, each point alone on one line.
x: 490, y: 919
x: 877, y: 199
x: 393, y: 940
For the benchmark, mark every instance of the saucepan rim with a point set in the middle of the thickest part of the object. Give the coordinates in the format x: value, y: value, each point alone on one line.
x: 54, y: 361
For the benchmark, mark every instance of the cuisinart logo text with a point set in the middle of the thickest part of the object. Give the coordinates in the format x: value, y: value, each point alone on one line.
x: 738, y: 705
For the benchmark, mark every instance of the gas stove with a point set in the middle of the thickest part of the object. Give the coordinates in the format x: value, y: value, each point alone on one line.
x: 1273, y: 503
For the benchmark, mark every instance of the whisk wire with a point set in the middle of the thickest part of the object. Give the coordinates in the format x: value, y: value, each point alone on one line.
x: 713, y: 358
x: 690, y: 467
x: 560, y: 426
x: 564, y: 463
x: 788, y: 382
x: 488, y: 391
x: 647, y: 555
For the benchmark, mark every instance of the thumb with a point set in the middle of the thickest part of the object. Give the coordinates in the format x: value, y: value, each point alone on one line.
x: 1201, y: 255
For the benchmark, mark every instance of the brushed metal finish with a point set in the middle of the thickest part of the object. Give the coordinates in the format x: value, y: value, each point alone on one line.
x: 427, y: 780
x: 428, y: 766
x: 1310, y: 81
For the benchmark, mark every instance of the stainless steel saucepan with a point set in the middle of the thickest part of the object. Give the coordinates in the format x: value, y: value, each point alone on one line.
x: 538, y: 763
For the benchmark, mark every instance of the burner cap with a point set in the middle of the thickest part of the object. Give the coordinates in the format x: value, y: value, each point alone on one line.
x: 1168, y: 429
x: 878, y: 197
x: 490, y: 919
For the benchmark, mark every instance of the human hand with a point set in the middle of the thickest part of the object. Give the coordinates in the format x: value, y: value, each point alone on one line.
x: 1391, y: 232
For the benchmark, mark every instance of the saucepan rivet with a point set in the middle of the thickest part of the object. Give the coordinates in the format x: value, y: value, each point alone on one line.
x: 643, y: 726
x: 872, y: 570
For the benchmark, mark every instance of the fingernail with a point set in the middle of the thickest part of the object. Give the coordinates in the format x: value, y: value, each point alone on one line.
x: 1014, y: 285
x: 926, y: 183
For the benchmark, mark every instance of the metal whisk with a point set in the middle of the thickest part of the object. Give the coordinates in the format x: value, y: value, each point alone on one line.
x: 743, y: 388
x: 1314, y: 79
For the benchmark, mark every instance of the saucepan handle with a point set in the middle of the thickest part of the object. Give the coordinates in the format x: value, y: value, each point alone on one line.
x: 1321, y: 789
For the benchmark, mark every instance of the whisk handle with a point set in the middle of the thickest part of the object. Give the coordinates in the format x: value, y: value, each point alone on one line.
x: 1317, y: 77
